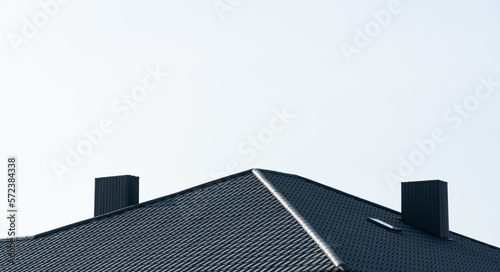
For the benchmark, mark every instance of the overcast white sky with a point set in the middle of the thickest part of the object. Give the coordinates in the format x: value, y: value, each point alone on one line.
x: 339, y: 92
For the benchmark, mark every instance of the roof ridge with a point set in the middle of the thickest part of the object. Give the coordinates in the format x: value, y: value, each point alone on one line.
x: 332, y: 256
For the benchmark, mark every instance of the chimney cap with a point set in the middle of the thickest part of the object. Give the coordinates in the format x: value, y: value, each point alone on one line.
x: 423, y: 181
x: 117, y: 176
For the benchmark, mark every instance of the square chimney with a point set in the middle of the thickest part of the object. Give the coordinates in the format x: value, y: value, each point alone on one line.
x: 424, y: 204
x: 114, y: 193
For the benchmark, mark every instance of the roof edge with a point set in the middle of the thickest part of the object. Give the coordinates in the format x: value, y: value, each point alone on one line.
x: 335, y: 190
x: 334, y: 258
x: 475, y: 240
x: 131, y: 207
x: 371, y: 203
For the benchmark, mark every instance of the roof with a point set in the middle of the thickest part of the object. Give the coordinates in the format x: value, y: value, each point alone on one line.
x: 256, y: 220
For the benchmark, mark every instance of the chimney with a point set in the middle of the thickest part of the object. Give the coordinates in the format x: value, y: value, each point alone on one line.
x: 424, y: 204
x: 114, y: 193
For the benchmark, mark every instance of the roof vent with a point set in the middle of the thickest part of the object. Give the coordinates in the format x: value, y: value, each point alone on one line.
x: 424, y: 204
x: 383, y: 224
x: 114, y: 193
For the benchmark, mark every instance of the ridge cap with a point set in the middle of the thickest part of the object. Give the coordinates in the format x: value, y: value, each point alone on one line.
x: 330, y: 254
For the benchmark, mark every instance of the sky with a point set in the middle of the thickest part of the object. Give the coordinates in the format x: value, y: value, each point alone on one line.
x: 357, y: 95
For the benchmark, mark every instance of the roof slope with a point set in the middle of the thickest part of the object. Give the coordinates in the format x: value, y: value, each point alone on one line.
x: 341, y: 220
x: 232, y: 224
x: 256, y: 220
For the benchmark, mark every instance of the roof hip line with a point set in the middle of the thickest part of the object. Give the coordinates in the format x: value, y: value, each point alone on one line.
x: 303, y: 223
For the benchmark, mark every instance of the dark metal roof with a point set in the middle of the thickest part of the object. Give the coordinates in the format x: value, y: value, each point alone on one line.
x: 257, y: 220
x: 340, y: 219
x: 233, y: 224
